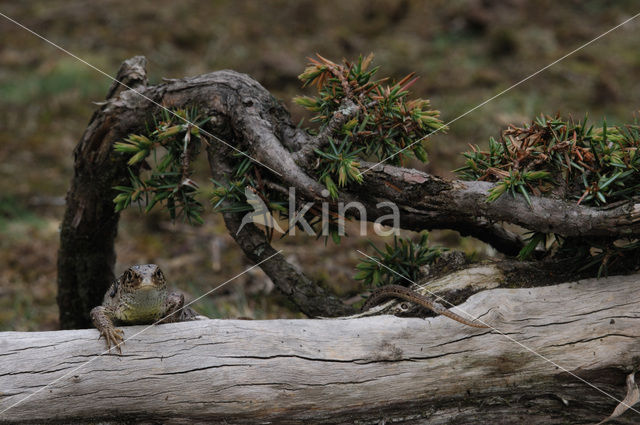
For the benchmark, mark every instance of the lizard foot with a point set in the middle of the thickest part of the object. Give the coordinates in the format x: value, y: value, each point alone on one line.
x: 113, y: 336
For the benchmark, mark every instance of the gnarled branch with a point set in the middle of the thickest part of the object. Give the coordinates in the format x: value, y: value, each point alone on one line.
x: 246, y: 116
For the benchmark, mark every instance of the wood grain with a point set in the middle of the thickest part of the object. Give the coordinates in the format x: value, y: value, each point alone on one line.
x: 365, y: 370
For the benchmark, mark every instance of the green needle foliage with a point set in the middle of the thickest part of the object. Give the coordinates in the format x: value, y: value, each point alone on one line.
x: 341, y: 160
x: 573, y: 160
x: 404, y: 258
x: 387, y: 123
x: 533, y: 240
x: 166, y: 152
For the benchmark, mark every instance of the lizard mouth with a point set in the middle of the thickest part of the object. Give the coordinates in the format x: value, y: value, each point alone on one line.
x: 146, y: 285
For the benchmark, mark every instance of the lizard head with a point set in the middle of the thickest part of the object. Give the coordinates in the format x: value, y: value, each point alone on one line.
x: 143, y: 277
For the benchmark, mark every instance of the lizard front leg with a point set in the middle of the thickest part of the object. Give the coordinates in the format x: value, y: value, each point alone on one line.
x: 101, y: 318
x: 175, y: 311
x: 173, y: 306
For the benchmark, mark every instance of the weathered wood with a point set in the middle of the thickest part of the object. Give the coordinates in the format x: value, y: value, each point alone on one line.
x: 454, y: 287
x: 413, y: 371
x: 246, y: 117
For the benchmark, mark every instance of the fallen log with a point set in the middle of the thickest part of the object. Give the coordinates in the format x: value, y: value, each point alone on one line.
x: 554, y: 353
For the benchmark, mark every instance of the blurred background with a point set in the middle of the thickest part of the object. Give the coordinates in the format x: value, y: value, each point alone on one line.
x: 464, y: 52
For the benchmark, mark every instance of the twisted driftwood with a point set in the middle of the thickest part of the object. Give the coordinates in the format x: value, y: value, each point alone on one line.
x: 380, y: 369
x: 246, y: 116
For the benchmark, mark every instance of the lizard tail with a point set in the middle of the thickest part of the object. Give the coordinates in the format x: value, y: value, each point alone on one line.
x: 396, y: 291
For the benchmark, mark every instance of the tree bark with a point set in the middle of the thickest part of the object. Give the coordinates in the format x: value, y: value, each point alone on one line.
x: 311, y: 299
x: 246, y: 117
x: 86, y: 256
x: 380, y: 369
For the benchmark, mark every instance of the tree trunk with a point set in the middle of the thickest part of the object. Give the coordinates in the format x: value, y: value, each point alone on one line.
x: 86, y: 256
x: 381, y: 369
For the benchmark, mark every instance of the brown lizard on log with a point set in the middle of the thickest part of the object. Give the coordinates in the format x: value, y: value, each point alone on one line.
x: 138, y: 297
x: 396, y: 291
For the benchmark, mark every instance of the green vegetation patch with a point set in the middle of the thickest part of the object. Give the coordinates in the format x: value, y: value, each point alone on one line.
x: 399, y: 263
x: 561, y: 158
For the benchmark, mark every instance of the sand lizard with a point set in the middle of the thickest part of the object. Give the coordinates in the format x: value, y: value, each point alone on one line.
x: 396, y: 291
x: 138, y: 296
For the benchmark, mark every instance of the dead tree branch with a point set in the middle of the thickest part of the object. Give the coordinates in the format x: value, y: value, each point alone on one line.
x: 245, y: 115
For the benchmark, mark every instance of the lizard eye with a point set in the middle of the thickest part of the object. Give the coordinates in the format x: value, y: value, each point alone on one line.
x: 159, y: 275
x: 128, y: 276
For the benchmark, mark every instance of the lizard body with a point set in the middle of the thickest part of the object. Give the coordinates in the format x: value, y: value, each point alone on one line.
x: 138, y: 296
x: 396, y: 291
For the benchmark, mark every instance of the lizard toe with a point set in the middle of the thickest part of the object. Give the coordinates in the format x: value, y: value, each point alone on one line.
x: 114, y: 337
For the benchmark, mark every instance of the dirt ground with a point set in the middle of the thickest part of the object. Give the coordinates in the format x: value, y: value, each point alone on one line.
x: 464, y: 52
